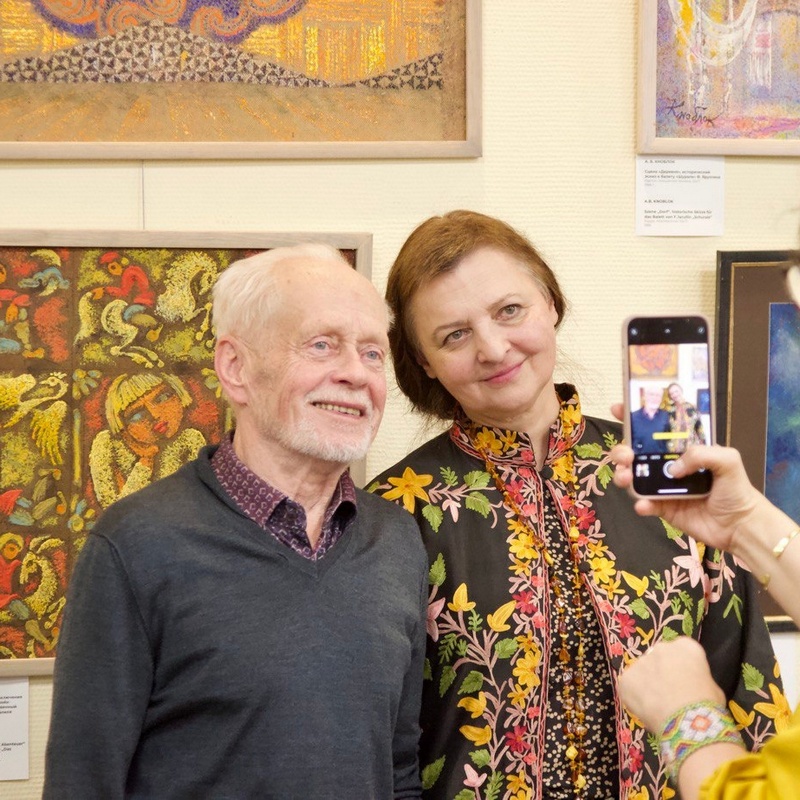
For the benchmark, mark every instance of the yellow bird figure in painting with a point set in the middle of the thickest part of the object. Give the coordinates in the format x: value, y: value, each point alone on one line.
x: 24, y: 395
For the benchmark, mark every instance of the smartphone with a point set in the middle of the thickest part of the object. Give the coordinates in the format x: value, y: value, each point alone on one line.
x: 668, y: 400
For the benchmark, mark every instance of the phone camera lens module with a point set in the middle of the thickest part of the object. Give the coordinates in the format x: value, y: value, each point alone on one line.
x: 634, y: 331
x: 667, y: 330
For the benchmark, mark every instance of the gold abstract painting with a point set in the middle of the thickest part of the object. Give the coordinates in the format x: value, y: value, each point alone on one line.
x: 256, y: 78
x: 106, y: 384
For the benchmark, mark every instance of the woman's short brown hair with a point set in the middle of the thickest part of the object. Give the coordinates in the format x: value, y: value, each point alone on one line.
x: 434, y: 247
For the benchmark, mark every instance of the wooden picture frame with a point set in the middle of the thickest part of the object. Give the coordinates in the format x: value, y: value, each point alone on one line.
x: 717, y: 87
x: 751, y: 302
x: 318, y: 80
x: 97, y: 328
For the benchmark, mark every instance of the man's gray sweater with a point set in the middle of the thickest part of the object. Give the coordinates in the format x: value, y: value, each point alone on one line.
x: 201, y: 658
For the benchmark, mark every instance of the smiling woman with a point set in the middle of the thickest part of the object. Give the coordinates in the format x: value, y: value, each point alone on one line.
x: 544, y: 581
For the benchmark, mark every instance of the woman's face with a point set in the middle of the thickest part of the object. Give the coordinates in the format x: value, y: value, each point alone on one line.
x: 155, y: 416
x: 486, y: 332
x: 675, y: 393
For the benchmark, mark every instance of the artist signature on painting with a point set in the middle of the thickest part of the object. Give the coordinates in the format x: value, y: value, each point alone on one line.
x: 697, y: 116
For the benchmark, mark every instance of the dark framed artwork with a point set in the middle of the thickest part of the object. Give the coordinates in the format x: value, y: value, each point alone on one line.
x: 240, y: 79
x: 758, y: 379
x: 106, y: 384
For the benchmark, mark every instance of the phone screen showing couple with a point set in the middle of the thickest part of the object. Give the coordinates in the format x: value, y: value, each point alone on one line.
x: 669, y: 400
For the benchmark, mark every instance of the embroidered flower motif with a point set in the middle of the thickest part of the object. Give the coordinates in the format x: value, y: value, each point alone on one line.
x: 475, y: 705
x: 518, y: 696
x: 522, y: 546
x: 639, y: 585
x: 516, y: 527
x: 514, y: 488
x: 603, y: 569
x: 434, y: 609
x: 519, y: 784
x: 525, y: 669
x: 778, y: 709
x: 570, y: 416
x: 627, y: 624
x: 460, y: 600
x: 525, y: 601
x: 519, y: 567
x: 743, y: 719
x: 528, y: 644
x: 562, y: 468
x: 613, y: 587
x: 692, y: 566
x: 474, y: 779
x: 515, y: 740
x: 498, y: 620
x: 408, y: 487
x: 596, y: 549
x: 585, y: 517
x: 635, y: 758
x: 487, y: 440
x: 539, y: 620
x: 479, y: 736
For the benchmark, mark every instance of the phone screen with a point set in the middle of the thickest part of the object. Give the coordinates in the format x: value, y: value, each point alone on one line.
x: 669, y: 400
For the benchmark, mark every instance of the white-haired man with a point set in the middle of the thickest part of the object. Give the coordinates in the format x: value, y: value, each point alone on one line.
x: 253, y: 625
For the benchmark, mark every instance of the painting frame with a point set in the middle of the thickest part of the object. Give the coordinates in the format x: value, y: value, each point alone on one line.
x: 470, y: 146
x: 357, y: 246
x: 748, y: 282
x: 649, y: 141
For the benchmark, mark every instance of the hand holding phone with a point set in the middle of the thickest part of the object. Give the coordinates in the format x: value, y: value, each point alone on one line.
x: 668, y: 400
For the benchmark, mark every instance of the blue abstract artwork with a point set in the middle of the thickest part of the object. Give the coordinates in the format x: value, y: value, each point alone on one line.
x: 782, y: 470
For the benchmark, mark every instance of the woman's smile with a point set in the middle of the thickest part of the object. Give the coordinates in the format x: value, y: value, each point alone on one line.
x: 505, y: 375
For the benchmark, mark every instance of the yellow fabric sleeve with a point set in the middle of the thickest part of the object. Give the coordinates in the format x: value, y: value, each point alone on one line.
x: 771, y: 774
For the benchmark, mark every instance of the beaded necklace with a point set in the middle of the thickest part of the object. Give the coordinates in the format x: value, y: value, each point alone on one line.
x: 573, y: 679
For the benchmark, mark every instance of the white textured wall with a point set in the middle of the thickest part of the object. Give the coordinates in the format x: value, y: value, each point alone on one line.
x: 559, y: 116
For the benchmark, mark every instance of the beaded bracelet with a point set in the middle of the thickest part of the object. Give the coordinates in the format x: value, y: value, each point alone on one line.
x: 692, y: 727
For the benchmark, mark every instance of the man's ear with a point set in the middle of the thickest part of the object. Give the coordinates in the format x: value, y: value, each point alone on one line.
x: 229, y: 364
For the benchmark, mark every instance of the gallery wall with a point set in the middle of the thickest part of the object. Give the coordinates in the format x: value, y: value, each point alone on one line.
x: 558, y: 162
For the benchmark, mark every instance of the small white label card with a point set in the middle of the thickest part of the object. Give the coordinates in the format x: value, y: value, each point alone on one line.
x: 14, y: 705
x: 680, y: 196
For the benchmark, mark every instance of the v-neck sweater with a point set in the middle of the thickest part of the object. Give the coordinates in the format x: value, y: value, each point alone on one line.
x: 200, y: 657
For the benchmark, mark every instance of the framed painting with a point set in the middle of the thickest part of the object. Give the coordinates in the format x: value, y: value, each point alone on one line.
x: 719, y: 78
x: 758, y: 378
x: 239, y: 80
x: 106, y: 384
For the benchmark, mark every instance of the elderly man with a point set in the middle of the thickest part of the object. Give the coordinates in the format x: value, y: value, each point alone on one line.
x: 253, y: 626
x: 649, y: 421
